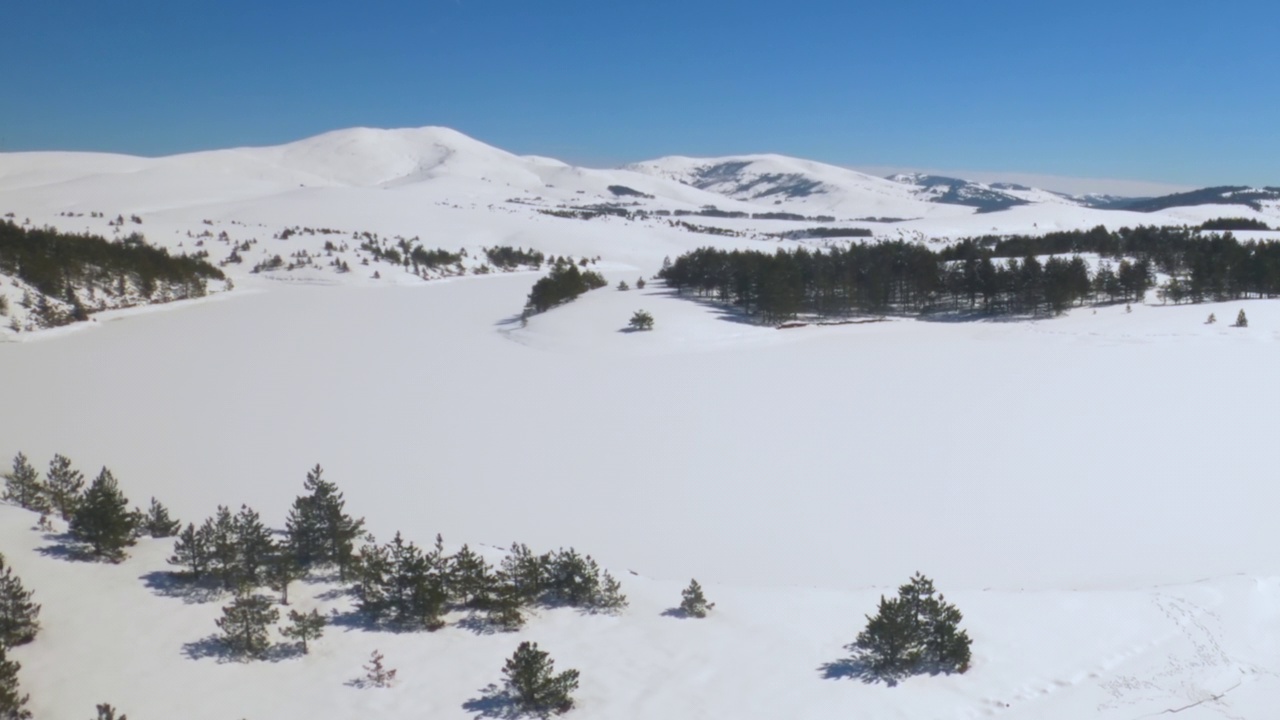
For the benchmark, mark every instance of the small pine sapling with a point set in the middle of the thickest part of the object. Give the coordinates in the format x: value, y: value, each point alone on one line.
x: 1212, y: 319
x: 693, y: 603
x: 1241, y: 320
x: 641, y: 320
x: 106, y: 712
x: 304, y: 627
x: 376, y: 674
x: 623, y: 286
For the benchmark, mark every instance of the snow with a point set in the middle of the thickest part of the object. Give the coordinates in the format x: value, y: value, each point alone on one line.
x: 1089, y: 490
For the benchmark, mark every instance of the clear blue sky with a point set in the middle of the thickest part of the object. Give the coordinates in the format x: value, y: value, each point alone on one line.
x: 1172, y: 91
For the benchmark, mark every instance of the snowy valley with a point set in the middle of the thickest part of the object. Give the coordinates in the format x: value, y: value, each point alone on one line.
x: 1089, y: 489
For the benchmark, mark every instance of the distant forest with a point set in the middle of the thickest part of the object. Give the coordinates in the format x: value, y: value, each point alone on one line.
x: 991, y: 275
x: 89, y: 273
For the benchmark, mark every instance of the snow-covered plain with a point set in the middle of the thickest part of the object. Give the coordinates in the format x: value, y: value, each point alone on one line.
x: 1092, y: 491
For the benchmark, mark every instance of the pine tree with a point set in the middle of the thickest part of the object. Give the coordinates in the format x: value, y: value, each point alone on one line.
x: 319, y: 529
x: 244, y: 624
x: 504, y: 607
x: 470, y: 578
x: 304, y: 626
x: 103, y: 519
x: 641, y: 320
x: 224, y: 553
x: 376, y: 674
x: 13, y: 704
x: 573, y: 579
x: 64, y: 486
x: 191, y: 551
x: 692, y: 602
x: 254, y: 547
x: 609, y: 597
x: 282, y: 570
x: 528, y: 574
x: 917, y: 631
x: 22, y: 486
x: 887, y: 645
x: 1241, y: 322
x: 157, y: 523
x: 533, y: 684
x: 19, y: 621
x: 106, y: 712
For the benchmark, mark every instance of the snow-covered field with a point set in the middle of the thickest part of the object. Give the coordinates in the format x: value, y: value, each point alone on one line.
x: 1092, y: 491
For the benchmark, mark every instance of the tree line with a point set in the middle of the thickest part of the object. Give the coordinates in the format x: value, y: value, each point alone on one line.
x: 81, y: 270
x: 1002, y: 275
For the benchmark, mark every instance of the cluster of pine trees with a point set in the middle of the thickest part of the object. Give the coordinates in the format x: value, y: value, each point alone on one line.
x: 97, y: 515
x: 564, y: 283
x: 85, y: 271
x: 505, y: 257
x: 400, y: 584
x: 396, y: 583
x: 994, y: 274
x: 1201, y: 266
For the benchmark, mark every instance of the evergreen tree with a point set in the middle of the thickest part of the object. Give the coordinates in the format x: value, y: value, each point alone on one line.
x: 157, y: 523
x: 319, y: 529
x: 191, y: 551
x: 22, y: 486
x: 19, y: 621
x: 304, y: 627
x: 376, y: 674
x: 13, y: 704
x: 887, y: 645
x: 224, y: 552
x: 282, y: 570
x: 574, y: 579
x: 533, y: 684
x: 470, y: 578
x: 504, y: 607
x: 528, y: 574
x: 63, y: 485
x: 692, y: 602
x: 254, y: 547
x: 917, y: 631
x: 244, y: 624
x: 1241, y: 321
x: 103, y: 519
x: 609, y: 597
x: 641, y: 320
x: 106, y: 712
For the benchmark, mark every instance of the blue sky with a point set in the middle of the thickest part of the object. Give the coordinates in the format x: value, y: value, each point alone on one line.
x: 1171, y: 91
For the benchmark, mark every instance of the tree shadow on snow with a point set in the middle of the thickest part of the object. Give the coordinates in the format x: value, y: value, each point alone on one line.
x: 191, y: 592
x: 66, y: 548
x: 852, y: 668
x: 675, y: 612
x: 214, y: 647
x: 492, y: 703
